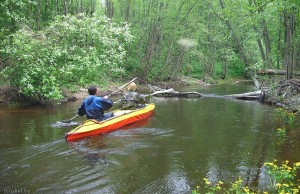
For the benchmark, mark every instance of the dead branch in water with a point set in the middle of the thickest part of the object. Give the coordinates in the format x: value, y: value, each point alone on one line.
x: 248, y: 96
x: 275, y: 72
x: 172, y: 93
x: 289, y: 86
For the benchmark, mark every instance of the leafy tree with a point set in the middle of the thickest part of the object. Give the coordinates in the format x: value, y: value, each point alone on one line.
x: 227, y: 36
x: 231, y: 35
x: 73, y: 49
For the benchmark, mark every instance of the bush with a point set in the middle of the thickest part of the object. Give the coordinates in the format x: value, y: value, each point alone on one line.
x: 281, y: 180
x: 73, y: 49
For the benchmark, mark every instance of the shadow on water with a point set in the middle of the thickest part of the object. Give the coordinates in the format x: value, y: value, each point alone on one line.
x: 94, y: 148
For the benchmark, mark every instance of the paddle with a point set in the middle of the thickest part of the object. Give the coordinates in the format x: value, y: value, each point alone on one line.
x: 70, y: 120
x: 120, y: 88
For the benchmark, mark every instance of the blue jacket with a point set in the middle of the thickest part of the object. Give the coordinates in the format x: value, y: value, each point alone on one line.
x: 93, y: 107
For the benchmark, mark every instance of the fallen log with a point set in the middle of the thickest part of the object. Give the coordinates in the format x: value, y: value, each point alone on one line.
x: 176, y: 94
x: 275, y: 72
x: 256, y: 93
x: 189, y: 95
x: 160, y: 93
x: 247, y: 96
x: 172, y: 93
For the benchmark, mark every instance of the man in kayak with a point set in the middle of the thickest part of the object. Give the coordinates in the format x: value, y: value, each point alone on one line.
x: 131, y: 99
x: 94, y: 106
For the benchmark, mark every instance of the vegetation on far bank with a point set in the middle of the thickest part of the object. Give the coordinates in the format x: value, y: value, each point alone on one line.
x: 47, y: 46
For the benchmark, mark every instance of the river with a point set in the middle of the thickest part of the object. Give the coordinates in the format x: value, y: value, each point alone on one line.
x: 185, y: 141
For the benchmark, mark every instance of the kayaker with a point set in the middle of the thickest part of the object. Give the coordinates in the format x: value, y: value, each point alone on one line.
x: 132, y: 99
x: 94, y: 106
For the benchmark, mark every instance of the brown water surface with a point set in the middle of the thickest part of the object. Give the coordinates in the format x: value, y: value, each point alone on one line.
x: 183, y: 142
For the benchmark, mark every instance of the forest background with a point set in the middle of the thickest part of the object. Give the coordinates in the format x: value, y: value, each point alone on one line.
x: 49, y: 45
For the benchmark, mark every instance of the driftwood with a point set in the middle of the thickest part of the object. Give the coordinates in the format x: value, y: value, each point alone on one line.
x: 286, y: 89
x: 167, y: 93
x: 275, y: 72
x: 172, y: 93
x: 289, y: 86
x: 189, y: 95
x: 247, y: 96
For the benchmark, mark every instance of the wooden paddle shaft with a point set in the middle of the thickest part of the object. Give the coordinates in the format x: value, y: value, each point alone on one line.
x: 121, y: 87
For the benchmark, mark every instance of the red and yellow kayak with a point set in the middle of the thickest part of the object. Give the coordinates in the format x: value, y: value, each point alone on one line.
x: 121, y: 118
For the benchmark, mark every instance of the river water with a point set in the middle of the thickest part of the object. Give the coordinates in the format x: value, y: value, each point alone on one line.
x: 185, y: 141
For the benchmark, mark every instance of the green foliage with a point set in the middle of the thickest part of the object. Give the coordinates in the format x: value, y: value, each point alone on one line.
x: 281, y: 132
x: 73, y: 49
x: 282, y: 177
x: 281, y: 180
x: 280, y: 136
x: 212, y: 188
x: 81, y: 48
x: 286, y: 117
x: 229, y: 35
x: 236, y: 70
x: 12, y: 13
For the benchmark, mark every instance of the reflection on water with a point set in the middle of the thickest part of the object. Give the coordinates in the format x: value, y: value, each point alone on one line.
x: 183, y: 142
x: 62, y: 124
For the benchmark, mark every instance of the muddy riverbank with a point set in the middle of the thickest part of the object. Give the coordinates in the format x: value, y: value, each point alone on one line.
x: 11, y: 95
x: 288, y: 96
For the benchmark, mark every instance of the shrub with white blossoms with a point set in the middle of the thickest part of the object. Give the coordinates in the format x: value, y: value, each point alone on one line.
x: 73, y: 49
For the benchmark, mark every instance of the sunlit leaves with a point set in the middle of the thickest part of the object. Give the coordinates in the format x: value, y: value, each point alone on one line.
x: 73, y: 49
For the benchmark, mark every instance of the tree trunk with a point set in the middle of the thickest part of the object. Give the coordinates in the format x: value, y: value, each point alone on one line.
x: 127, y: 10
x: 66, y: 7
x: 275, y: 72
x: 81, y: 6
x: 296, y: 59
x: 266, y: 50
x: 262, y: 52
x: 152, y: 42
x: 57, y: 7
x: 279, y: 54
x: 209, y: 67
x: 169, y: 57
x: 235, y: 38
x: 93, y: 7
x: 288, y: 59
x: 47, y: 4
x: 38, y: 15
x: 258, y: 39
x: 109, y: 12
x: 178, y: 65
x: 225, y: 66
x: 267, y: 42
x: 31, y: 24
